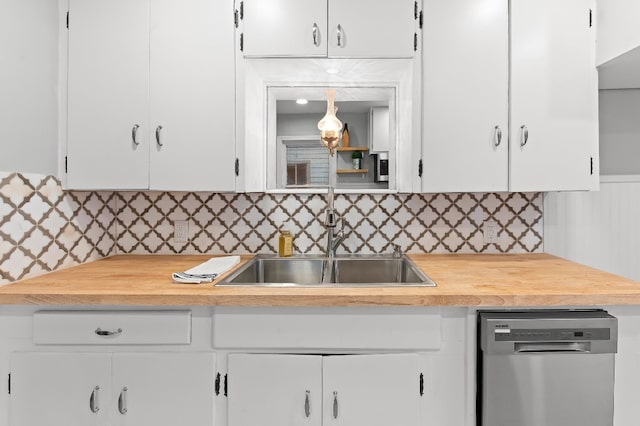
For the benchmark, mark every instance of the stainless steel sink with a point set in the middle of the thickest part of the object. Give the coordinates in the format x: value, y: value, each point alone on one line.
x: 275, y: 271
x: 319, y: 271
x: 389, y: 271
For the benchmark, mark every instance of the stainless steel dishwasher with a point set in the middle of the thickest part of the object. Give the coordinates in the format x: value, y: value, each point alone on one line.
x: 546, y: 368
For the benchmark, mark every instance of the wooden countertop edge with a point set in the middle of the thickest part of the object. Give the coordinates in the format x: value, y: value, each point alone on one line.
x: 460, y: 300
x: 463, y: 280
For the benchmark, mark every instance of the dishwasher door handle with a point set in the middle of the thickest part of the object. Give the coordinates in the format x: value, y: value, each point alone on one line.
x: 551, y: 347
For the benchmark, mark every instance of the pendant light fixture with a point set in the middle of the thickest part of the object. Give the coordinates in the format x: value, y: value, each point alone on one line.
x: 330, y: 127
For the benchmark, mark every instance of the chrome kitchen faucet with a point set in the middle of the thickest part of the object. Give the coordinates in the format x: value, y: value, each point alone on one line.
x: 331, y: 222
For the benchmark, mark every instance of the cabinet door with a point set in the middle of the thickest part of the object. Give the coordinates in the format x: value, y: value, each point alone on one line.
x: 192, y: 95
x: 285, y: 28
x: 554, y: 95
x: 60, y: 389
x: 108, y: 94
x: 371, y: 390
x: 465, y: 88
x: 366, y: 29
x: 163, y: 389
x: 274, y: 390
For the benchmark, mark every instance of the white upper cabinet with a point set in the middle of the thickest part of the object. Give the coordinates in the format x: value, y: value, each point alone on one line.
x: 192, y: 95
x: 321, y: 28
x: 551, y: 143
x: 108, y: 102
x: 618, y: 29
x: 465, y: 86
x: 151, y: 95
x: 284, y: 27
x: 554, y: 95
x: 618, y: 48
x: 366, y: 29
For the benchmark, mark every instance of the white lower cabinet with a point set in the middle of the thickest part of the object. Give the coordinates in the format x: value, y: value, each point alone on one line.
x: 155, y: 389
x: 353, y: 390
x: 59, y: 389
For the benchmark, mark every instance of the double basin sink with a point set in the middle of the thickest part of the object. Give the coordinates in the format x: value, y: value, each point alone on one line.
x: 320, y: 271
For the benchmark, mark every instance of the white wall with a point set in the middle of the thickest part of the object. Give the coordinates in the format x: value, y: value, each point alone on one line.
x: 600, y: 229
x: 618, y: 28
x: 28, y: 86
x: 620, y: 132
x: 307, y: 124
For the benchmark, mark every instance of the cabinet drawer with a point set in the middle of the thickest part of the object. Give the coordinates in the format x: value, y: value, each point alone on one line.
x: 112, y: 327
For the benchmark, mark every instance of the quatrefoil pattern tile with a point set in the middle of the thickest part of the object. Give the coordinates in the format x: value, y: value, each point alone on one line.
x: 43, y: 228
x: 372, y: 223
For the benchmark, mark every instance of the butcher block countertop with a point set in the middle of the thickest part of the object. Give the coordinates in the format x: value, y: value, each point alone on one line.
x: 462, y: 280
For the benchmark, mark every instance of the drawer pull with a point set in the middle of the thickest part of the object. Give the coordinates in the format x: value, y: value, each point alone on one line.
x: 101, y: 332
x: 335, y: 404
x: 93, y: 403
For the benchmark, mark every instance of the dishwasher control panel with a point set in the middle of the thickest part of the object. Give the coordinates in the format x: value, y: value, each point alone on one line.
x: 505, y: 331
x: 559, y: 334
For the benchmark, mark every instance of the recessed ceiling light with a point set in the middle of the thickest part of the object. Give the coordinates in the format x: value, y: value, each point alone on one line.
x: 302, y: 101
x: 332, y: 70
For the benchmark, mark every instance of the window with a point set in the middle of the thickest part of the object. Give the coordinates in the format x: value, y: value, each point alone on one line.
x: 306, y: 159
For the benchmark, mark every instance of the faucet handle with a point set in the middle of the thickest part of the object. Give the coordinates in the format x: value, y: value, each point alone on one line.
x: 397, y: 252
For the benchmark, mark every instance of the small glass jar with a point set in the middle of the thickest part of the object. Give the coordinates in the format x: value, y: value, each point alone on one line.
x: 285, y: 244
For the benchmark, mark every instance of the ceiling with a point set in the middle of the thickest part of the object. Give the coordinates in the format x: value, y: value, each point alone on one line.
x: 622, y: 72
x: 319, y: 107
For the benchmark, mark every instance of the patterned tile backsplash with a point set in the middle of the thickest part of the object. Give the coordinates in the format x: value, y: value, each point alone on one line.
x: 43, y: 228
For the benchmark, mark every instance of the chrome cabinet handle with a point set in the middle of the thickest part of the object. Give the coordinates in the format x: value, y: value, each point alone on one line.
x: 316, y: 35
x: 339, y: 35
x: 93, y: 400
x: 134, y: 134
x: 101, y: 332
x: 158, y: 141
x: 122, y: 401
x: 524, y: 135
x: 335, y: 404
x: 497, y: 137
x: 307, y: 405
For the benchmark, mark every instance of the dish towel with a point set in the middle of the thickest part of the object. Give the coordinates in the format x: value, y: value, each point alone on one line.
x: 206, y: 272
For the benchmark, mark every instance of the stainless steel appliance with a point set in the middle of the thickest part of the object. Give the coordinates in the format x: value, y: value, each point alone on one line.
x: 381, y: 167
x: 546, y: 368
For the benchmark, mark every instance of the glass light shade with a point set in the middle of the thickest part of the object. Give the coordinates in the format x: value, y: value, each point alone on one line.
x: 330, y: 126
